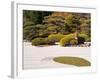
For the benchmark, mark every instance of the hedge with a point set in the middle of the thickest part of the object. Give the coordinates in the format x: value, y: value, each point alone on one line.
x: 73, y: 42
x: 39, y: 41
x: 55, y: 37
x: 86, y: 37
x: 66, y: 40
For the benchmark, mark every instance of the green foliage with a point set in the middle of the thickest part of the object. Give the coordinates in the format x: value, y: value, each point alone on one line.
x: 38, y: 41
x: 34, y: 16
x: 28, y: 23
x: 55, y: 37
x: 72, y: 20
x: 31, y: 32
x: 49, y: 41
x: 85, y: 29
x: 86, y: 37
x: 54, y: 25
x: 28, y: 33
x: 42, y: 41
x: 40, y: 30
x: 73, y: 42
x: 66, y: 40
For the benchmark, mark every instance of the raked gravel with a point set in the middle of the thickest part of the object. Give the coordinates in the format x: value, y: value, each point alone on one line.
x: 42, y: 57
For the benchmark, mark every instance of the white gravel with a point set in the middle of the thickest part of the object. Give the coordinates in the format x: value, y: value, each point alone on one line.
x: 41, y: 57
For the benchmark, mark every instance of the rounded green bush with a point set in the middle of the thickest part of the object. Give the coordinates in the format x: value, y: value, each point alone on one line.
x: 86, y: 37
x: 73, y: 42
x: 55, y: 37
x: 49, y: 42
x: 66, y: 40
x: 39, y: 41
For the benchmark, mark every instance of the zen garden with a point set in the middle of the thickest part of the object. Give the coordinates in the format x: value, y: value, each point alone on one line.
x: 63, y: 30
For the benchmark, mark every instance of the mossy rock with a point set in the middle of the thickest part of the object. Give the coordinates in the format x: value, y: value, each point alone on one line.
x: 76, y: 61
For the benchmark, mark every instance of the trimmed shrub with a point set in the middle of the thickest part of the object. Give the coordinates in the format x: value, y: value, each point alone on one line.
x: 49, y: 42
x: 55, y: 37
x: 66, y: 40
x: 86, y: 37
x: 39, y: 41
x: 73, y: 42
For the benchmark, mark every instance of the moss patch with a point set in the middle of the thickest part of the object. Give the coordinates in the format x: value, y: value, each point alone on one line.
x: 76, y: 61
